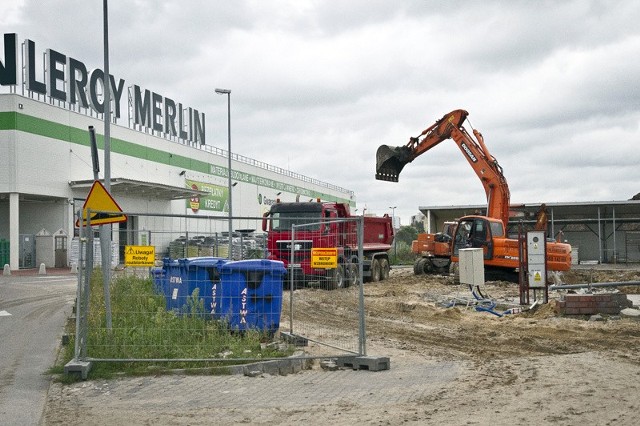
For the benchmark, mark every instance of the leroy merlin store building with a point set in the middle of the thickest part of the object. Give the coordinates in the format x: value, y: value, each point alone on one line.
x: 159, y: 160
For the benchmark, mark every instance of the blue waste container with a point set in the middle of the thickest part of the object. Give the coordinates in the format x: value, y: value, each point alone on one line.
x: 203, y: 273
x: 158, y: 277
x: 182, y: 276
x: 250, y: 294
x: 172, y: 281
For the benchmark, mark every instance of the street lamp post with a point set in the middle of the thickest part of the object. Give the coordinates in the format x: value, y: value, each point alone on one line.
x: 393, y: 224
x: 228, y: 93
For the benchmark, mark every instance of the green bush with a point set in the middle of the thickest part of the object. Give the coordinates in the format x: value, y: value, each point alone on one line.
x: 402, y: 254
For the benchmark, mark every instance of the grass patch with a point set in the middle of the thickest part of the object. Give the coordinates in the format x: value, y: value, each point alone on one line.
x: 142, y: 329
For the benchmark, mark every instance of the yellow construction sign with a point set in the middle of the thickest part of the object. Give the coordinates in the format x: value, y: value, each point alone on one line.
x: 104, y: 208
x: 140, y: 256
x: 324, y: 258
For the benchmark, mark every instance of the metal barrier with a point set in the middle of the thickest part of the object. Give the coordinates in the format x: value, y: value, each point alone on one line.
x: 197, y: 304
x: 330, y: 320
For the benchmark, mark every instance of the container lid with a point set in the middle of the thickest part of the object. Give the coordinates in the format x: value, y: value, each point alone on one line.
x: 203, y: 261
x: 166, y: 261
x: 265, y: 265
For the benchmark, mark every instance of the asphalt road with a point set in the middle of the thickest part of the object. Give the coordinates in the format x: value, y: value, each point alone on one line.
x: 33, y: 310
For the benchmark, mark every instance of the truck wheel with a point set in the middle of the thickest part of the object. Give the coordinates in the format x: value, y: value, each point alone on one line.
x: 339, y: 278
x: 428, y: 266
x: 353, y: 274
x: 336, y: 279
x: 418, y: 266
x: 375, y: 270
x: 384, y: 269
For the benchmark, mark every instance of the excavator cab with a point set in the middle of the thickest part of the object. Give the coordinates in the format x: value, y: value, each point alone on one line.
x: 390, y: 162
x: 477, y: 232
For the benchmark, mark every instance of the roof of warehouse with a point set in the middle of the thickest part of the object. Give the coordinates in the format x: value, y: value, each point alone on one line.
x: 586, y: 208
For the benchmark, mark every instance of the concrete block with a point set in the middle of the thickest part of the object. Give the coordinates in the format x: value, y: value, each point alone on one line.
x: 329, y: 365
x: 284, y: 367
x: 629, y: 312
x: 297, y: 366
x: 74, y: 367
x: 294, y: 339
x: 373, y: 363
x: 345, y: 361
x: 271, y: 367
x: 369, y: 363
x: 253, y: 373
x: 236, y: 369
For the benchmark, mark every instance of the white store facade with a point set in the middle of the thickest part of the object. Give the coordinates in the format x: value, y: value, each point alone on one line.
x: 159, y: 161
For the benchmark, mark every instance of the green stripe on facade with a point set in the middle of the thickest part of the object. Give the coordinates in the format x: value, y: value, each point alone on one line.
x: 8, y: 120
x: 11, y: 120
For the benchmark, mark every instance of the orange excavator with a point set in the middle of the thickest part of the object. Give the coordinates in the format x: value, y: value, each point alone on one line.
x: 433, y: 251
x: 501, y: 253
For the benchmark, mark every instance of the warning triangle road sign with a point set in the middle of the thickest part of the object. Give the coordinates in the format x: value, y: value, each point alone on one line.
x: 104, y: 209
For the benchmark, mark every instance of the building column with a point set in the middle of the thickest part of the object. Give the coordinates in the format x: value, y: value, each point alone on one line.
x: 14, y: 231
x: 599, y: 238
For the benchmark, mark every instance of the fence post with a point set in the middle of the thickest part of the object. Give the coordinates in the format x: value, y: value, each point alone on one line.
x: 291, y: 277
x: 79, y: 292
x: 88, y: 270
x: 362, y: 337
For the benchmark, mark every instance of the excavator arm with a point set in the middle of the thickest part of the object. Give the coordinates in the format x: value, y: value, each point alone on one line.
x: 391, y: 160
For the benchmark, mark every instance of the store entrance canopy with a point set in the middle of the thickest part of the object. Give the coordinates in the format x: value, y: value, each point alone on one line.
x: 136, y: 188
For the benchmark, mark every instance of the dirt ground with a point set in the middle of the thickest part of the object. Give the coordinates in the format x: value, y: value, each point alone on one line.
x: 464, y: 333
x: 529, y: 367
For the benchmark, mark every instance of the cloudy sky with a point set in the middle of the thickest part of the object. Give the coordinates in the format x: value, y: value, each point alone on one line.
x: 317, y: 86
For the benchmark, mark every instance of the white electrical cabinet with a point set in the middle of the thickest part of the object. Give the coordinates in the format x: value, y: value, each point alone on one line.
x: 471, y: 266
x: 536, y: 259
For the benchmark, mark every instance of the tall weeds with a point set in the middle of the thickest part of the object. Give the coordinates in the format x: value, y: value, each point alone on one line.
x: 142, y: 329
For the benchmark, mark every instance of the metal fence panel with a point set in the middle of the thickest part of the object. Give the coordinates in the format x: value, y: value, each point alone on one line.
x: 326, y: 305
x: 210, y: 297
x: 632, y: 246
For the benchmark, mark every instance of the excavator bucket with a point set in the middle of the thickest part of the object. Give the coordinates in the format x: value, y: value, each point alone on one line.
x: 390, y: 161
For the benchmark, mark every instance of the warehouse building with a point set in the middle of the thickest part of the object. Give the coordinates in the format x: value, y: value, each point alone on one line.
x: 160, y: 162
x: 599, y: 232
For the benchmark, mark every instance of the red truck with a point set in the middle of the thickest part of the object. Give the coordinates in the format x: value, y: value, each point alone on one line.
x: 328, y: 225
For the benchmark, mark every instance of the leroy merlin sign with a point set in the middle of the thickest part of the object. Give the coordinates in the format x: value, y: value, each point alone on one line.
x: 67, y: 79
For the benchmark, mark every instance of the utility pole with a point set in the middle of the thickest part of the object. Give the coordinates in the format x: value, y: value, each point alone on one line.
x: 228, y: 93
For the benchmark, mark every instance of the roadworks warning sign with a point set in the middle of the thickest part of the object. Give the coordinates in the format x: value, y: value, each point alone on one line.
x: 139, y: 256
x: 105, y: 209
